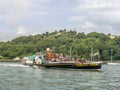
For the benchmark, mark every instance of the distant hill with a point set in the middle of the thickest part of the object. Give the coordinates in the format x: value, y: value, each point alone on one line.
x: 61, y: 41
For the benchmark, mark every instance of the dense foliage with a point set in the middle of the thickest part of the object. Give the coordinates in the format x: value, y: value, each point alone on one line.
x: 61, y: 42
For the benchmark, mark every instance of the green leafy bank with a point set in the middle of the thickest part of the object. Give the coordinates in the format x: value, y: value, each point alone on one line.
x: 61, y: 42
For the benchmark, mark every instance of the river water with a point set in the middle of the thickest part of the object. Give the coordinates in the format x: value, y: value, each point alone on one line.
x: 15, y: 76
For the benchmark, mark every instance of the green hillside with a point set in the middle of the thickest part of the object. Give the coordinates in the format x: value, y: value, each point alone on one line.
x: 61, y: 41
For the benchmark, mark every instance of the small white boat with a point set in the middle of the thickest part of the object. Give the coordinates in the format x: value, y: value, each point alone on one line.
x: 112, y: 63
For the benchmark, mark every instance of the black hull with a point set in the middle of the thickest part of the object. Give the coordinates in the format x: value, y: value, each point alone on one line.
x: 73, y: 66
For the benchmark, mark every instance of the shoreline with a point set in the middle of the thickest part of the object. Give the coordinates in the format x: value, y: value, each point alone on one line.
x: 9, y: 60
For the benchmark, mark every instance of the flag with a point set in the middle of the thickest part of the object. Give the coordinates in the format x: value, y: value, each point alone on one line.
x: 97, y: 53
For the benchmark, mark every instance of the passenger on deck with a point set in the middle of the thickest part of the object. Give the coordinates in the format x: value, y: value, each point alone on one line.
x: 61, y: 57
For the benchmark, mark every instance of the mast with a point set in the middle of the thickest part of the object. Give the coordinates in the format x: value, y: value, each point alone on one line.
x: 111, y: 54
x: 98, y: 55
x: 91, y: 53
x: 70, y: 51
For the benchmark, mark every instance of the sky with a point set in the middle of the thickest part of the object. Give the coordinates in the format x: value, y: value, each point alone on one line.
x: 30, y: 17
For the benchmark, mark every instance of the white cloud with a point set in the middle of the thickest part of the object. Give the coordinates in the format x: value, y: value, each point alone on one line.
x: 109, y: 29
x: 24, y: 30
x: 43, y: 1
x: 99, y: 4
x: 105, y: 10
x: 37, y: 12
x: 88, y: 25
x: 13, y: 10
x: 77, y: 18
x: 5, y: 36
x: 100, y: 15
x: 21, y: 30
x: 108, y: 16
x: 49, y: 15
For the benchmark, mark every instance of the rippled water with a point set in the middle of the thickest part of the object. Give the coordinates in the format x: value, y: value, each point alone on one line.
x: 15, y: 76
